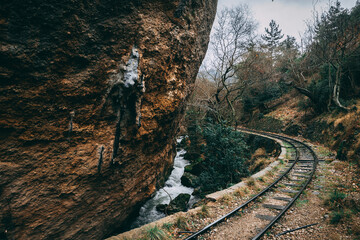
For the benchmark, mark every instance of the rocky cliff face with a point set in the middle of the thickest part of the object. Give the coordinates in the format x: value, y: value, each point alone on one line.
x: 91, y: 93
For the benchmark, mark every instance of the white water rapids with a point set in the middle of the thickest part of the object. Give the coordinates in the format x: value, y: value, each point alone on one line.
x: 173, y: 187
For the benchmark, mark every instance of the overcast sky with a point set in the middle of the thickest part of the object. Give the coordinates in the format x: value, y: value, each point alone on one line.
x: 289, y: 14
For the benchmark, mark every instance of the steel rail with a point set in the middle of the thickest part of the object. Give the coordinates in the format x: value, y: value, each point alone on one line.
x: 221, y: 219
x: 263, y: 231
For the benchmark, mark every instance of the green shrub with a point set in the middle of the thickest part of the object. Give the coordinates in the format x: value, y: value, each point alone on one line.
x: 194, y: 131
x: 225, y: 155
x: 167, y: 226
x: 155, y: 233
x: 336, y: 216
x: 339, y: 215
x: 341, y: 154
x: 335, y: 199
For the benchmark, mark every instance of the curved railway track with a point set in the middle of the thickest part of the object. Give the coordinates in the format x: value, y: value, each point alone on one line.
x: 291, y: 182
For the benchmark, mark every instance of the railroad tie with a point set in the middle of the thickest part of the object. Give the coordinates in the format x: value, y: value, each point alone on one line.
x: 303, y: 160
x: 305, y: 165
x: 303, y: 168
x: 295, y: 180
x: 283, y: 199
x: 271, y: 206
x: 288, y: 191
x: 265, y: 217
x: 300, y: 176
x: 297, y: 171
x: 292, y: 185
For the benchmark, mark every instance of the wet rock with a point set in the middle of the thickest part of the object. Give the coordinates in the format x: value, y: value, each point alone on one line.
x: 188, y: 180
x: 191, y: 156
x: 197, y: 191
x: 179, y: 204
x: 161, y: 207
x: 80, y: 74
x: 194, y: 168
x: 182, y: 143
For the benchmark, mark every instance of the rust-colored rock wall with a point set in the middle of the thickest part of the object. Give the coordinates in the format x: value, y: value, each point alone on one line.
x: 75, y: 76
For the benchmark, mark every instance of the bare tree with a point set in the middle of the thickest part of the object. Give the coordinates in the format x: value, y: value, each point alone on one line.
x: 233, y: 31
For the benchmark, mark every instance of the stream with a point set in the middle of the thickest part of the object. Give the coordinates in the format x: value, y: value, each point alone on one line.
x: 173, y: 187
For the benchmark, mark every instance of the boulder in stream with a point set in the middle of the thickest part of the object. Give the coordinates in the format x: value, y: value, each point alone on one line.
x: 195, y: 168
x: 179, y: 204
x: 188, y: 180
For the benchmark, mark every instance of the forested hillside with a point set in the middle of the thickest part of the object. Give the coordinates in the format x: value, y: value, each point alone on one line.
x: 308, y: 87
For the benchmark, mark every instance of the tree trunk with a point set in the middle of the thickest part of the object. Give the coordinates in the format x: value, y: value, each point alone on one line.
x: 233, y: 112
x: 336, y: 91
x: 305, y: 92
x: 330, y: 86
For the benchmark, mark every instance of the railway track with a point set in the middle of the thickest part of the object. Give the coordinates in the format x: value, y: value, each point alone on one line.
x: 286, y: 188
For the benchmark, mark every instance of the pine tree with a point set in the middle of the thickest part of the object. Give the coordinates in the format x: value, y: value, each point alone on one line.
x: 289, y: 42
x: 273, y: 35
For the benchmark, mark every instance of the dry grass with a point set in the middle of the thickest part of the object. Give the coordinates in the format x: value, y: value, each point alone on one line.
x: 181, y: 223
x: 355, y: 225
x: 324, y: 152
x: 251, y: 182
x: 347, y: 120
x: 203, y: 212
x: 239, y: 193
x: 260, y: 152
x: 357, y: 144
x: 334, y: 236
x: 259, y: 163
x: 227, y: 199
x: 270, y: 174
x: 155, y: 233
x: 339, y: 166
x: 267, y: 179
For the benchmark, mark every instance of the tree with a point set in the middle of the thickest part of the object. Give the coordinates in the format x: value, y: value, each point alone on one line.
x: 233, y: 31
x: 337, y: 32
x: 289, y: 43
x: 332, y: 39
x: 273, y: 35
x: 257, y: 74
